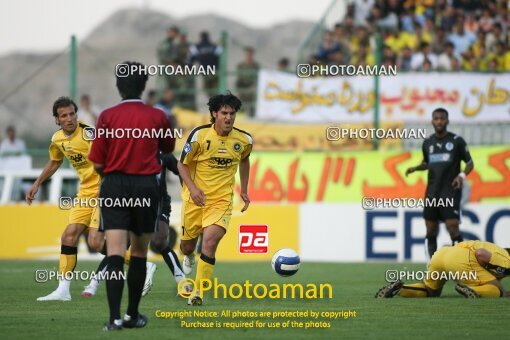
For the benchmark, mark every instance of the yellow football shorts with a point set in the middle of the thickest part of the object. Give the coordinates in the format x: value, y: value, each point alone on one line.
x: 195, y: 218
x: 85, y: 214
x: 457, y: 260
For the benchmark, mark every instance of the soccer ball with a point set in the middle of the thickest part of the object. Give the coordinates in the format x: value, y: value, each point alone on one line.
x: 285, y: 262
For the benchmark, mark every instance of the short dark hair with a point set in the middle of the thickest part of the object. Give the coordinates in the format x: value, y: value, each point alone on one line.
x: 131, y: 84
x: 440, y: 109
x: 215, y: 103
x: 63, y: 102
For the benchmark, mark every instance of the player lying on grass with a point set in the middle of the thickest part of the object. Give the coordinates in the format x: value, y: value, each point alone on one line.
x: 160, y: 239
x: 69, y: 143
x: 488, y: 262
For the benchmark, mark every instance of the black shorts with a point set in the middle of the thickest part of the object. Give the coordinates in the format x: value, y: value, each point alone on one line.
x: 166, y: 209
x: 444, y: 211
x: 136, y: 201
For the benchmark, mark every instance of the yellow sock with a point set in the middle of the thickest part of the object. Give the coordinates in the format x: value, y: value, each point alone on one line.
x: 487, y: 290
x: 127, y: 256
x: 413, y: 290
x: 204, y: 269
x: 67, y: 261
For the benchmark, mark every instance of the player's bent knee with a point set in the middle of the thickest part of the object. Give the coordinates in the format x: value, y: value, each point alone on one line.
x: 187, y: 247
x: 70, y: 237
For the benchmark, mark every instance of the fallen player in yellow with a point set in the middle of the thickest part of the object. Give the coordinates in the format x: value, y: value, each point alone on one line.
x: 489, y: 262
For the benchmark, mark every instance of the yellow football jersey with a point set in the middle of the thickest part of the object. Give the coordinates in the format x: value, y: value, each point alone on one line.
x: 213, y: 161
x: 500, y: 260
x: 76, y: 149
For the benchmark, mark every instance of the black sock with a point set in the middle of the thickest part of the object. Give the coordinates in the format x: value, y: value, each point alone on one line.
x: 104, y: 250
x: 171, y: 259
x: 431, y: 245
x: 136, y: 279
x: 102, y: 265
x: 68, y: 250
x: 114, y: 287
x: 457, y: 239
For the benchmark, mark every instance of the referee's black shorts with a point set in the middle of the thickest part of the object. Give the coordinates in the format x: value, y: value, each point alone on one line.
x: 139, y: 199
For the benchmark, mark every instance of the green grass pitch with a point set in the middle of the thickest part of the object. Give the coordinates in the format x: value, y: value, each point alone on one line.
x: 453, y: 316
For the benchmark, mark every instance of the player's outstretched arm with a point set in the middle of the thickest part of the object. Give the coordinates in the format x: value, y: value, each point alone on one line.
x: 244, y: 174
x: 196, y: 194
x: 48, y: 171
x: 421, y: 167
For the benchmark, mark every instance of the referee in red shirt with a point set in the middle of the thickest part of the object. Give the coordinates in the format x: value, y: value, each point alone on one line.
x: 129, y: 167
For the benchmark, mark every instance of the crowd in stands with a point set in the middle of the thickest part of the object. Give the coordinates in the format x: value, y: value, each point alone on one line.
x: 422, y: 35
x: 177, y: 51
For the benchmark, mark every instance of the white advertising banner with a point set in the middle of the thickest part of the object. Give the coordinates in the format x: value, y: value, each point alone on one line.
x: 409, y: 97
x: 347, y: 233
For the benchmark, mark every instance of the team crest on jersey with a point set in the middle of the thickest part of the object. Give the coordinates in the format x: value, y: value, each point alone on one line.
x: 449, y: 146
x: 431, y: 149
x: 237, y: 147
x: 187, y: 148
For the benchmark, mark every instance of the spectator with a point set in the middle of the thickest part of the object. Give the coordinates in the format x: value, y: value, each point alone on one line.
x: 461, y: 39
x: 419, y: 57
x: 480, y: 42
x: 362, y: 10
x: 486, y: 21
x: 499, y: 54
x: 456, y: 65
x: 167, y: 53
x: 471, y: 25
x: 426, y: 66
x: 361, y: 38
x: 246, y: 83
x: 207, y: 54
x: 389, y: 21
x: 166, y: 104
x: 12, y: 146
x: 283, y: 65
x: 152, y: 98
x: 328, y: 47
x: 388, y: 56
x: 404, y: 60
x: 439, y: 40
x: 88, y: 115
x: 340, y: 37
x: 337, y: 58
x: 469, y: 60
x: 185, y: 89
x: 448, y: 19
x: 445, y: 60
x: 494, y: 36
x: 362, y: 57
x: 492, y: 65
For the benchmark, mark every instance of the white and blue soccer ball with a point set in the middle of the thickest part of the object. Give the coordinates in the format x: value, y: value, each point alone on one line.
x: 285, y: 262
